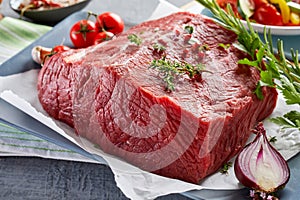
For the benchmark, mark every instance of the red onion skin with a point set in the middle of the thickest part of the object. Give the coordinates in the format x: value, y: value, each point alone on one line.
x: 244, y: 176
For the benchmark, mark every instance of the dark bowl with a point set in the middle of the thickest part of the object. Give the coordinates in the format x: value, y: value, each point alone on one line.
x: 48, y: 16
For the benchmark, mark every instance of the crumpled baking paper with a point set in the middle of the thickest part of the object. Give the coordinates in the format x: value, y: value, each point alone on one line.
x: 20, y: 91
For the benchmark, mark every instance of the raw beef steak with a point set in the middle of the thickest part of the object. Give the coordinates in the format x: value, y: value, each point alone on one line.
x: 112, y: 97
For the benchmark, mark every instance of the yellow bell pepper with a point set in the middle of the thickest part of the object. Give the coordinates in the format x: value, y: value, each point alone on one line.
x: 284, y: 10
x: 295, y: 18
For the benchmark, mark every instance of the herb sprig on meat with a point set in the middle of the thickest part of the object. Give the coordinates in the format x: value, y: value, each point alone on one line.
x: 169, y: 69
x: 275, y: 69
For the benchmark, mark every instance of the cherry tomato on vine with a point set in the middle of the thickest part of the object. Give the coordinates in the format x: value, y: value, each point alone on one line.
x: 82, y: 33
x: 267, y: 14
x: 103, y: 36
x: 59, y: 48
x: 110, y: 22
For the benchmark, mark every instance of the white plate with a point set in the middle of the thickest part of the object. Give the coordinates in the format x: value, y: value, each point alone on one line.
x: 290, y: 35
x: 276, y: 30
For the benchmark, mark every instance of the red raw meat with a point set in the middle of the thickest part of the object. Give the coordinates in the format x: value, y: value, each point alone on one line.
x: 111, y: 97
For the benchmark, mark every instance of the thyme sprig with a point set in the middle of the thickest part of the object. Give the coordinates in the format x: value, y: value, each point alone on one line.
x: 159, y: 47
x: 134, y: 39
x: 170, y: 69
x: 275, y: 69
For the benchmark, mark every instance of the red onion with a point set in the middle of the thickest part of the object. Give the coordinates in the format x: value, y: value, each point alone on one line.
x: 260, y: 166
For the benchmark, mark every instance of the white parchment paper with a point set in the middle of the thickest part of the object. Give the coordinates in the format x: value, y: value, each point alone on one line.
x: 20, y: 90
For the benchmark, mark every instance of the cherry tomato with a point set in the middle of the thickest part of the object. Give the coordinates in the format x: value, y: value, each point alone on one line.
x: 59, y: 48
x: 103, y: 36
x: 82, y: 33
x: 267, y: 14
x: 110, y: 22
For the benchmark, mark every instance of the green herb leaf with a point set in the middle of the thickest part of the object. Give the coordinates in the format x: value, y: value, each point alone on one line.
x: 189, y: 29
x: 224, y: 46
x: 134, y: 39
x: 225, y: 168
x: 273, y: 139
x: 266, y: 78
x: 169, y: 69
x: 260, y: 54
x: 290, y: 92
x: 204, y: 47
x: 294, y: 117
x: 246, y: 61
x: 258, y: 91
x: 289, y: 120
x: 282, y: 122
x: 158, y: 47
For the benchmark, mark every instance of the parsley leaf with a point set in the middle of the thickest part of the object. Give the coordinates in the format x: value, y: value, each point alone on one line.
x: 289, y: 120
